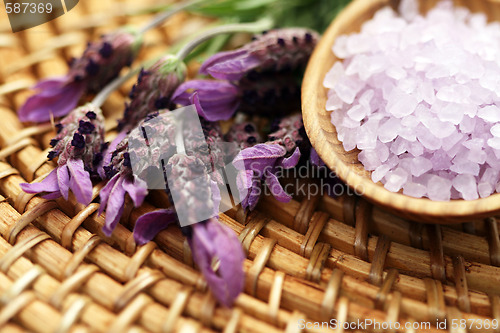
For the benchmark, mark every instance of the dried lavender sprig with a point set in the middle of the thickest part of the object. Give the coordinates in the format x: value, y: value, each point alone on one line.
x: 206, y: 146
x: 244, y: 134
x: 289, y: 131
x: 133, y: 166
x: 260, y: 77
x: 153, y: 90
x: 99, y: 64
x: 78, y: 145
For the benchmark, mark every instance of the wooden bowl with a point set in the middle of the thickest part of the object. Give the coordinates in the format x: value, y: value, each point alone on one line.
x: 323, y: 134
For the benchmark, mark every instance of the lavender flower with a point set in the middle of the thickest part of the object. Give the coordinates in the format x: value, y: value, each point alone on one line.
x: 100, y: 63
x: 262, y: 162
x: 289, y: 131
x: 150, y: 224
x: 260, y: 77
x: 78, y: 145
x: 220, y: 98
x: 123, y: 178
x: 153, y: 90
x: 190, y: 186
x: 207, y: 147
x: 244, y: 134
x: 275, y: 51
x: 211, y: 240
x: 121, y: 181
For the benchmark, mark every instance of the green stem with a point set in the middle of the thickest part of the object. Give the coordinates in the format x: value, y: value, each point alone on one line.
x: 258, y: 26
x: 160, y: 18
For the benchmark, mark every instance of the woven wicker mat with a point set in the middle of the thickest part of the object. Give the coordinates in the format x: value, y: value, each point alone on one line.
x: 308, y: 260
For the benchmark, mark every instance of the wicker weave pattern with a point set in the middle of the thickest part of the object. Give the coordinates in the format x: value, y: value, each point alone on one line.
x: 316, y: 258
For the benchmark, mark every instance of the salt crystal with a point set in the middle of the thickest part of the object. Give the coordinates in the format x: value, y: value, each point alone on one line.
x: 467, y: 186
x: 420, y: 165
x: 414, y: 190
x: 334, y: 75
x: 340, y: 47
x: 451, y: 112
x: 469, y: 168
x: 427, y: 92
x: 408, y: 9
x: 370, y: 159
x: 494, y: 143
x: 366, y: 98
x: 367, y: 137
x: 397, y: 73
x: 454, y: 94
x: 427, y: 139
x: 438, y: 188
x: 490, y: 113
x: 410, y: 121
x: 440, y: 161
x: 395, y: 179
x: 415, y: 148
x: 389, y: 129
x: 334, y: 103
x: 401, y: 104
x: 382, y: 151
x: 495, y: 130
x: 357, y: 112
x: 380, y: 172
x: 468, y: 124
x: 488, y: 181
x: 347, y: 88
x: 439, y: 129
x: 399, y: 146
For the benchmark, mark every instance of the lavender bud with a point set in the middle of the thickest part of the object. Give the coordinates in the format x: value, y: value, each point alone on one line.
x: 190, y: 187
x: 103, y: 60
x: 207, y: 148
x: 289, y: 132
x: 283, y: 49
x: 243, y: 134
x: 153, y: 90
x: 79, y: 136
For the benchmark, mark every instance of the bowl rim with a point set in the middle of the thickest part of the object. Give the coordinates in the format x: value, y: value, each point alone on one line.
x: 314, y: 99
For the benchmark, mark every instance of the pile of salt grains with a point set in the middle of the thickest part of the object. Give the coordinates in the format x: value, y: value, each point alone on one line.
x: 420, y: 98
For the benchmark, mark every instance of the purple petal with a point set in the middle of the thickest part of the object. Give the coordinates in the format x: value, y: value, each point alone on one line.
x: 231, y: 65
x: 276, y: 189
x: 212, y: 240
x: 106, y: 191
x: 80, y: 182
x: 50, y: 85
x: 259, y: 157
x: 220, y: 57
x: 49, y: 184
x: 214, y: 100
x: 253, y: 195
x: 63, y: 180
x: 136, y: 188
x: 58, y: 101
x: 109, y: 153
x: 52, y: 196
x: 291, y: 161
x: 114, y: 207
x: 150, y: 224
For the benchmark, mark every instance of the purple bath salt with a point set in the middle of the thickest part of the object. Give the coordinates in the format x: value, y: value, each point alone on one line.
x: 419, y: 96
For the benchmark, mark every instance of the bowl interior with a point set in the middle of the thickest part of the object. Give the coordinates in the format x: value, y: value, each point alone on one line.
x: 323, y: 135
